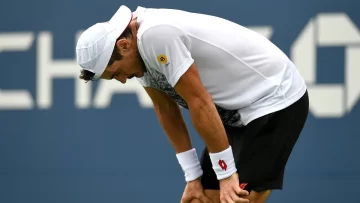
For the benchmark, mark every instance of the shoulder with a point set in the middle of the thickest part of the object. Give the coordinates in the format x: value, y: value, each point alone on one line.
x: 157, y: 30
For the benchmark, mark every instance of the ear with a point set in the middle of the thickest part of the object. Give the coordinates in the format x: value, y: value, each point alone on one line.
x: 123, y: 45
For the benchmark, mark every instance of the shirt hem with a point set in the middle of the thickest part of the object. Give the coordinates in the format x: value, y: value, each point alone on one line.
x: 277, y: 107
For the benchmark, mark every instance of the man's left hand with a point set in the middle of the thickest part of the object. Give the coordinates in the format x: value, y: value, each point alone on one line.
x: 230, y: 191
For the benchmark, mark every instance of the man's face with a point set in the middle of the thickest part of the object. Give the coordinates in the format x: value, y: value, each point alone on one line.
x: 131, y: 65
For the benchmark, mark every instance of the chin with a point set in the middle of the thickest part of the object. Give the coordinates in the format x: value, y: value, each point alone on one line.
x: 140, y: 75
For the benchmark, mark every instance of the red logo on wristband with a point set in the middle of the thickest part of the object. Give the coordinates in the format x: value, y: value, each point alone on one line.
x: 222, y: 165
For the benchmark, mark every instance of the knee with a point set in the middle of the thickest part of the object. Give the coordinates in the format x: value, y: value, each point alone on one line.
x: 256, y: 201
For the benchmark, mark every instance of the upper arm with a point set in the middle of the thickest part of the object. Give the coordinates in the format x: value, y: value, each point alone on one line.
x: 160, y: 99
x: 167, y: 49
x: 191, y: 89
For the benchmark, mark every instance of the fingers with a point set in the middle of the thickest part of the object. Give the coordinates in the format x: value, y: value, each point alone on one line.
x: 241, y: 192
x: 186, y: 199
x: 196, y: 201
x: 205, y: 199
x: 234, y: 196
x: 238, y: 199
x: 195, y: 198
x: 231, y: 191
x: 201, y: 198
x: 192, y: 200
x: 229, y: 199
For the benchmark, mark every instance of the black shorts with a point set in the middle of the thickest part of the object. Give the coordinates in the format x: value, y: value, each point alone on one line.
x: 262, y: 148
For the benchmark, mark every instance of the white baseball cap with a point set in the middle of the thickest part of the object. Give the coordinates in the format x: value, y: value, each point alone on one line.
x: 96, y: 44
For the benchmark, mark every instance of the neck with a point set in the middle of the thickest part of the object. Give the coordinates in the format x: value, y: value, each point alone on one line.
x: 135, y: 27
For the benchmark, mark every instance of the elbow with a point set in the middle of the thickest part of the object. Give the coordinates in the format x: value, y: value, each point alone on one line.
x: 166, y: 105
x: 200, y: 101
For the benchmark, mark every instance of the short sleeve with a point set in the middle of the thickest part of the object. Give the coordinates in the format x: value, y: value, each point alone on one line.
x: 167, y: 47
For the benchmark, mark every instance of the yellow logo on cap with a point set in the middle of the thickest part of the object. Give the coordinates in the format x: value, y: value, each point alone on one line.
x: 162, y: 59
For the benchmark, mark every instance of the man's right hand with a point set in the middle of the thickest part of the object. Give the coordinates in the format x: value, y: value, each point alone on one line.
x: 194, y: 190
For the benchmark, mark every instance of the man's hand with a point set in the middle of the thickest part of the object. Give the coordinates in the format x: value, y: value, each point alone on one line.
x: 230, y: 191
x: 194, y: 190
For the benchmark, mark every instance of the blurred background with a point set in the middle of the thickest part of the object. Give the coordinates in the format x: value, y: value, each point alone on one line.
x: 63, y: 140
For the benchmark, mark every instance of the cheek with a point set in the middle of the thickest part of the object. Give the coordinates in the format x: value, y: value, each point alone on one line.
x: 109, y: 71
x: 112, y: 68
x: 106, y: 75
x: 127, y: 65
x: 135, y: 62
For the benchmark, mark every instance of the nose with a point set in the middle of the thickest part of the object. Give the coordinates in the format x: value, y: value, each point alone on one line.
x: 121, y: 78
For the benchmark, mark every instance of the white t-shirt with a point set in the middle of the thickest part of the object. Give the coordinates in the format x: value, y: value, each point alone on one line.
x: 246, y: 75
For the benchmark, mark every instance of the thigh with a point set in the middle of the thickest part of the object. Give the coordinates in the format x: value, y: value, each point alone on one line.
x: 251, y: 163
x: 209, y: 179
x: 266, y: 149
x: 196, y: 201
x: 259, y: 197
x: 214, y: 195
x: 262, y: 148
x: 256, y: 197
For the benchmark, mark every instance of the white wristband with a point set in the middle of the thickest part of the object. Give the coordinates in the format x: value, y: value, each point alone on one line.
x: 223, y: 163
x: 190, y: 164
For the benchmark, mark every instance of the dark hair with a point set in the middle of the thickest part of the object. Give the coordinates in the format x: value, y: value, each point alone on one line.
x: 115, y: 56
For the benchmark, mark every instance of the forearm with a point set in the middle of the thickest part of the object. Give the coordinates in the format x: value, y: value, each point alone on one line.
x: 207, y: 122
x: 172, y: 122
x: 209, y: 125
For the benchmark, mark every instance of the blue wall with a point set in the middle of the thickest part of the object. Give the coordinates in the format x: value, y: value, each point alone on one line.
x: 50, y: 150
